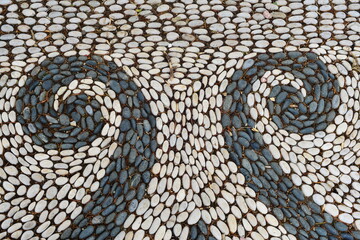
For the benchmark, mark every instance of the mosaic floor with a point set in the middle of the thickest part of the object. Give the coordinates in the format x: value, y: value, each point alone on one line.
x: 219, y: 120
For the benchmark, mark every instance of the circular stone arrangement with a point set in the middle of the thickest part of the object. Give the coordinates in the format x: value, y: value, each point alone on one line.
x: 85, y: 137
x: 303, y: 94
x: 299, y: 96
x: 89, y: 152
x: 63, y: 105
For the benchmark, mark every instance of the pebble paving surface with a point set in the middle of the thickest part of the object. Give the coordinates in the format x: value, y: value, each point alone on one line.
x: 150, y: 119
x: 293, y: 95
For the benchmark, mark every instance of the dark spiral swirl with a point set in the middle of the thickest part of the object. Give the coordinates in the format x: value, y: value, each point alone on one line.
x: 291, y: 111
x: 89, y: 105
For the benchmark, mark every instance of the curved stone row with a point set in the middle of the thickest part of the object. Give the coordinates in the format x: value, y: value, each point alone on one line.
x: 88, y: 144
x: 60, y: 102
x: 123, y: 187
x: 300, y: 96
x: 54, y: 183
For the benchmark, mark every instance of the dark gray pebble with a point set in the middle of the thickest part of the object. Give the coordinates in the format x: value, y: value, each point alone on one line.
x: 86, y: 232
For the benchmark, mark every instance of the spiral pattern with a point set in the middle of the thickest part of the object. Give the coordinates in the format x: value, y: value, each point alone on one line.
x: 63, y: 105
x: 201, y: 120
x: 284, y: 95
x: 85, y: 127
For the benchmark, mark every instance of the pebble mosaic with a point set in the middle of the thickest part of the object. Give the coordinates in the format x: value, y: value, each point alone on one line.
x: 165, y: 119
